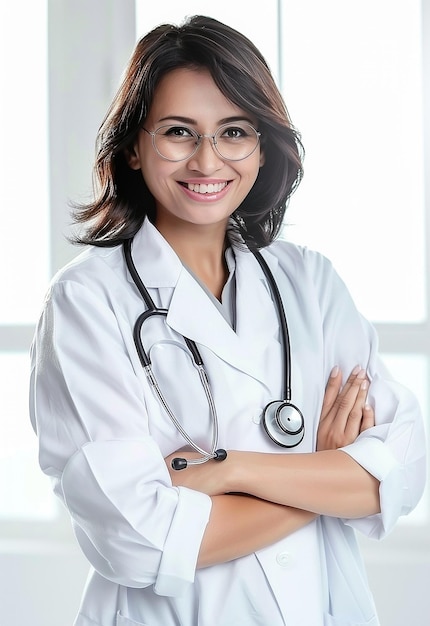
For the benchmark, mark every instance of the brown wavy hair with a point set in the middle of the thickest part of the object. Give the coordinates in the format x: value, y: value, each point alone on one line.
x: 121, y: 196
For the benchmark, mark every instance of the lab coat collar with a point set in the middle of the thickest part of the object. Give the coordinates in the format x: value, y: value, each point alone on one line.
x: 193, y: 314
x: 155, y: 260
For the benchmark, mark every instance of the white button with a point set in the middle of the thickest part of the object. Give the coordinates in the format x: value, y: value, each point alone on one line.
x: 284, y: 559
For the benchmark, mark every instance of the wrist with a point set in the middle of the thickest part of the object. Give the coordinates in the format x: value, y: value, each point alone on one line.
x: 235, y: 472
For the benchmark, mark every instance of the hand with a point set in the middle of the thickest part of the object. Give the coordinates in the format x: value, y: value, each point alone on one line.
x: 344, y: 414
x: 209, y: 477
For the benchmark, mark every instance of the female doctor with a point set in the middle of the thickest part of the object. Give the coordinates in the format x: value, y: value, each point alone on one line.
x: 188, y: 391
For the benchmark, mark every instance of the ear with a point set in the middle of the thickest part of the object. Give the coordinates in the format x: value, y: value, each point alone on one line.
x: 262, y: 158
x: 132, y: 156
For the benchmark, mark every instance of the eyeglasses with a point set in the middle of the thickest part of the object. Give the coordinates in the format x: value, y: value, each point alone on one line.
x: 233, y: 142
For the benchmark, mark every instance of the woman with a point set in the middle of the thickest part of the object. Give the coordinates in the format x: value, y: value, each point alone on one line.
x: 185, y: 506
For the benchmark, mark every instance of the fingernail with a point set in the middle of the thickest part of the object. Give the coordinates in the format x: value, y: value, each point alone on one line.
x: 361, y: 374
x: 334, y: 372
x: 364, y: 385
x: 356, y: 369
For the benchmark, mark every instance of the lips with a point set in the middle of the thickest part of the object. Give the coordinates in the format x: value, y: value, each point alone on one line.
x: 205, y: 188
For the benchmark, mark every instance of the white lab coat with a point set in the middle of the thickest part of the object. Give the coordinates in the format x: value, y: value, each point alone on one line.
x: 103, y: 435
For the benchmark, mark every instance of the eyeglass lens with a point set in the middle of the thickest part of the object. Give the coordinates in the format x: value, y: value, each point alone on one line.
x: 232, y: 141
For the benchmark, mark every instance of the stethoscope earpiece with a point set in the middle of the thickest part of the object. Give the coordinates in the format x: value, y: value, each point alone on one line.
x: 220, y: 454
x: 179, y: 463
x: 284, y: 423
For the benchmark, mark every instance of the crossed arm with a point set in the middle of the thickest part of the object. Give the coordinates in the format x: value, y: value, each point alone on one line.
x: 259, y: 498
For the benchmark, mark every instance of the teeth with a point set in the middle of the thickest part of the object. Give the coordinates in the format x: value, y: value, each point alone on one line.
x: 210, y: 188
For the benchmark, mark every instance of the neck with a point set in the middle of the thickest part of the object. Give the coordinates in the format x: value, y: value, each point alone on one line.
x: 201, y: 248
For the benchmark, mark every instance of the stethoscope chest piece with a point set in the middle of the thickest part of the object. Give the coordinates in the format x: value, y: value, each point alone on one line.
x: 284, y: 423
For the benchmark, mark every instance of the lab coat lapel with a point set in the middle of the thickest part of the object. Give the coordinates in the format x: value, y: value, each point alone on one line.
x: 192, y: 313
x: 257, y: 319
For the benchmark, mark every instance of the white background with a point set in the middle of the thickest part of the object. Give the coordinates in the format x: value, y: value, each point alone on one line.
x: 351, y: 74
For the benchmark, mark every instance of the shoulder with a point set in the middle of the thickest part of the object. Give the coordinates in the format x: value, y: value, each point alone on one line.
x: 307, y: 273
x: 299, y: 261
x: 95, y: 270
x: 89, y: 263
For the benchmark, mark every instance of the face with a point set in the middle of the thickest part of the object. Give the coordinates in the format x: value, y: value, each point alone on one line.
x: 203, y: 189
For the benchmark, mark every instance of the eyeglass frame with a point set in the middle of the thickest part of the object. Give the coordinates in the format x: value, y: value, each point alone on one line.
x: 198, y: 143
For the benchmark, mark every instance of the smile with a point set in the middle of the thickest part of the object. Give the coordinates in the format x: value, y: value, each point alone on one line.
x: 205, y: 188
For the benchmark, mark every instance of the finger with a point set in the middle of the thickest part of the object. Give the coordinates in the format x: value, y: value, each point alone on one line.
x: 331, y: 391
x: 368, y: 420
x: 346, y: 413
x: 354, y: 380
x: 341, y: 421
x: 355, y: 417
x: 350, y: 393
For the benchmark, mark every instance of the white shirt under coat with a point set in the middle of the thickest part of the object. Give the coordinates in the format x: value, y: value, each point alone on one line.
x: 103, y: 435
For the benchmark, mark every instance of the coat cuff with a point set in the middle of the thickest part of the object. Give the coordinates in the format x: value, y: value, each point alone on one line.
x: 377, y: 459
x: 179, y: 558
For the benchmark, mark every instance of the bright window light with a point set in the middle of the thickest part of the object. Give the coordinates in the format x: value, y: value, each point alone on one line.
x: 260, y: 26
x: 24, y: 252
x: 354, y: 90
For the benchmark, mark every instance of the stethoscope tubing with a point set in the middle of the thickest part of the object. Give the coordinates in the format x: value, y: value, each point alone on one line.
x: 283, y: 325
x: 282, y: 421
x: 152, y: 310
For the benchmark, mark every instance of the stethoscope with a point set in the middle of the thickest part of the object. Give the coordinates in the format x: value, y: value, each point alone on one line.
x: 282, y: 420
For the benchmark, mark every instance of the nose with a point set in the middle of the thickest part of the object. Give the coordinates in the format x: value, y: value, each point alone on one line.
x: 206, y: 159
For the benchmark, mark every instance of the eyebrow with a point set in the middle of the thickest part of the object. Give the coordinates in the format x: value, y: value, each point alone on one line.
x: 224, y: 120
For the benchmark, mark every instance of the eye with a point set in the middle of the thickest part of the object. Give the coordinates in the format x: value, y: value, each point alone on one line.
x: 176, y: 132
x: 234, y: 133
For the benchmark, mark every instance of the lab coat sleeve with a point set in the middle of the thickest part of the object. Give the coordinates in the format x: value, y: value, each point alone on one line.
x: 87, y: 406
x: 394, y: 450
